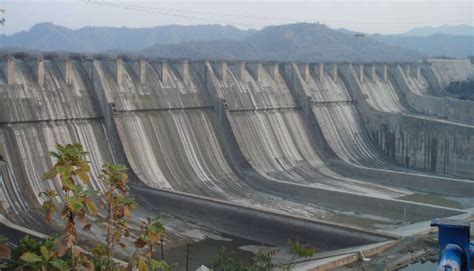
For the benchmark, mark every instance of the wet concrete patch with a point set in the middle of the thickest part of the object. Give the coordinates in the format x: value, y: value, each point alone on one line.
x: 360, y: 222
x: 433, y: 200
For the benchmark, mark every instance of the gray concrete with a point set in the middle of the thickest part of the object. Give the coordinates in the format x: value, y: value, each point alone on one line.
x: 417, y: 141
x: 412, y: 90
x: 238, y: 146
x: 261, y: 225
x: 10, y: 70
x: 371, y: 164
x: 448, y: 70
x: 40, y: 71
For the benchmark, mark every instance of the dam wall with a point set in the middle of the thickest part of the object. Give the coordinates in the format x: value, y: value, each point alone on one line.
x: 265, y: 120
x: 196, y: 154
x: 412, y: 88
x: 323, y: 197
x: 39, y: 110
x: 274, y: 140
x: 309, y: 87
x: 432, y: 146
x: 169, y: 140
x: 253, y: 85
x: 378, y: 89
x: 161, y: 85
x: 25, y: 141
x: 446, y: 71
x: 206, y: 173
x: 25, y: 99
x: 418, y: 142
x: 177, y: 149
x: 198, y: 133
x: 151, y: 141
x: 335, y: 111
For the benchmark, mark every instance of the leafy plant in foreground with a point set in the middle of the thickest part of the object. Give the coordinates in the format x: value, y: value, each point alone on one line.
x: 31, y: 254
x: 5, y: 252
x: 299, y: 250
x: 62, y: 253
x: 262, y: 261
x: 72, y: 171
x: 118, y: 207
x: 151, y: 232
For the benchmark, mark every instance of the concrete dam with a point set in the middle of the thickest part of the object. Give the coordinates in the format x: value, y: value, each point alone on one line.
x: 329, y: 153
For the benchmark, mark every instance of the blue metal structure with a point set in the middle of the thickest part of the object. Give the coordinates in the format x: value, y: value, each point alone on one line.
x: 454, y: 247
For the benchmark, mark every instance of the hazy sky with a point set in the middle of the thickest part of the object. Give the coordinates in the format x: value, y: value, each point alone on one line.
x: 382, y: 16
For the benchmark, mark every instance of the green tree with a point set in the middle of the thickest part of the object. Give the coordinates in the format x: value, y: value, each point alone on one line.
x: 299, y: 250
x: 261, y: 261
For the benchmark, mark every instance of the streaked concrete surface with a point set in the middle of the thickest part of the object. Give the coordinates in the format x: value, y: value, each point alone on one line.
x: 248, y: 142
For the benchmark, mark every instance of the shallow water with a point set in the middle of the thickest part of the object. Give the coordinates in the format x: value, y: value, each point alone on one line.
x: 206, y: 252
x: 426, y: 266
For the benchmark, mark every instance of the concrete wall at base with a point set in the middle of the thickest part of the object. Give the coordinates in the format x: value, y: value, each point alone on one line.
x: 435, y: 147
x: 350, y: 202
x: 412, y: 181
x: 267, y: 227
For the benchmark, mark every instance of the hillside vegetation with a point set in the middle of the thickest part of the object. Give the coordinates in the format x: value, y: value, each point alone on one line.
x: 297, y: 42
x: 51, y: 37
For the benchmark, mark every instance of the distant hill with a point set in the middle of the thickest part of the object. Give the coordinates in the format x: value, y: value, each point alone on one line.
x: 298, y: 42
x: 302, y: 41
x: 51, y: 37
x: 434, y: 45
x: 459, y: 30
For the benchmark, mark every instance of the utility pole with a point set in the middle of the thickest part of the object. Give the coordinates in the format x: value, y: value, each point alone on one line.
x: 188, y: 259
x: 2, y: 20
x: 162, y: 249
x: 151, y: 246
